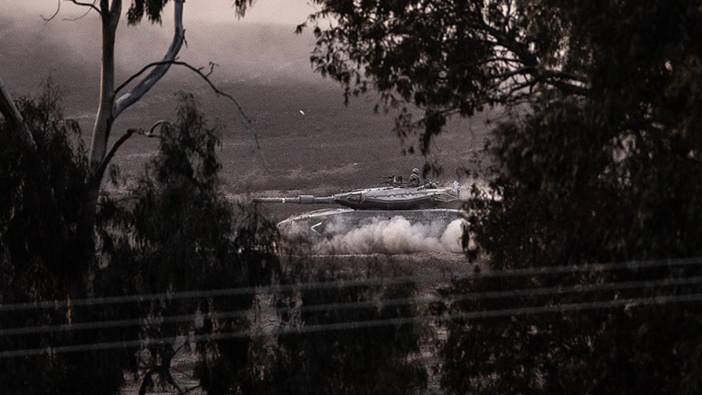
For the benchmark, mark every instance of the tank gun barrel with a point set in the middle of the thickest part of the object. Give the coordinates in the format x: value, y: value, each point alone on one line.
x: 302, y: 199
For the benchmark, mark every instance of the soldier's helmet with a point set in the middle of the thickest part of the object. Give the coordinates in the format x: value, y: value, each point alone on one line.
x: 415, y: 171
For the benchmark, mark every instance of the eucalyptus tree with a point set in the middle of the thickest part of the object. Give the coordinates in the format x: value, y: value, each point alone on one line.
x: 48, y: 211
x: 114, y: 98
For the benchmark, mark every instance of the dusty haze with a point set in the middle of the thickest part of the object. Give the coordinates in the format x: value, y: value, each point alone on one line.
x: 310, y: 141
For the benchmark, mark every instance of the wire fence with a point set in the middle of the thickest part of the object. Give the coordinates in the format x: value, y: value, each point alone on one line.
x: 378, y: 304
x: 357, y: 325
x: 415, y: 301
x: 377, y: 281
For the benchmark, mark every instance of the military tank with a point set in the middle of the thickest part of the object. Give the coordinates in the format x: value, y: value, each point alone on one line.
x: 427, y: 205
x: 427, y: 196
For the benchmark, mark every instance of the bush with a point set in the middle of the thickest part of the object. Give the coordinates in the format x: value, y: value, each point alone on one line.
x: 43, y: 254
x: 372, y: 360
x: 576, y: 189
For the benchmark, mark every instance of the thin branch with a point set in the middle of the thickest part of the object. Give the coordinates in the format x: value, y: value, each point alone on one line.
x: 196, y: 70
x: 151, y: 134
x: 191, y: 389
x: 517, y: 87
x: 205, y: 76
x: 84, y: 14
x: 564, y: 75
x: 89, y: 5
x: 123, y: 139
x: 505, y: 40
x: 522, y: 71
x: 106, y: 161
x: 447, y: 112
x: 568, y: 87
x: 56, y: 12
x: 495, y: 59
x: 9, y: 110
x: 159, y: 68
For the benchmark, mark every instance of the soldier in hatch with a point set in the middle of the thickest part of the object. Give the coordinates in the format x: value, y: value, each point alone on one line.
x: 415, y: 179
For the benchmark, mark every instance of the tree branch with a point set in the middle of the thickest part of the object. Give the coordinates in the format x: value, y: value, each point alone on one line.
x: 205, y: 76
x: 89, y: 5
x: 116, y: 146
x: 529, y: 61
x: 13, y: 116
x: 97, y: 176
x: 93, y: 8
x: 504, y: 39
x: 513, y: 73
x: 50, y: 18
x: 150, y: 133
x: 159, y: 68
x: 568, y: 87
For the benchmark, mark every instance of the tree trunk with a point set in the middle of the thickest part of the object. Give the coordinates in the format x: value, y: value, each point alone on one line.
x: 13, y: 116
x: 105, y: 116
x: 110, y: 15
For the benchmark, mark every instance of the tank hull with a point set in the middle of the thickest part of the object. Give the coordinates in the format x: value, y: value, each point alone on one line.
x: 409, y: 204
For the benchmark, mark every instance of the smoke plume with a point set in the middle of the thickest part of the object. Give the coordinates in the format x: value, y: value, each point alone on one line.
x: 396, y: 235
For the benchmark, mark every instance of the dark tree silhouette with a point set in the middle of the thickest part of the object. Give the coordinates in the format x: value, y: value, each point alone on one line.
x: 599, y: 163
x: 41, y: 250
x: 375, y: 360
x: 178, y: 232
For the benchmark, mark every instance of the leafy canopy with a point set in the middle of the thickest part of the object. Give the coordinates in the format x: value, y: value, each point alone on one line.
x: 458, y: 57
x: 153, y: 9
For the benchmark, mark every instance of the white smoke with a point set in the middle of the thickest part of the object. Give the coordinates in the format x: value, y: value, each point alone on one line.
x: 396, y: 235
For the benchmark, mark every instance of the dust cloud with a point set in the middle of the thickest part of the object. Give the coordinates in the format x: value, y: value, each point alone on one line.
x: 396, y: 235
x: 256, y: 48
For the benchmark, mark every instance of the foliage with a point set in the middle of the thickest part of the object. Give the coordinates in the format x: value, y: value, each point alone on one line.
x: 602, y: 165
x: 42, y: 253
x: 610, y: 177
x: 173, y: 231
x: 445, y: 57
x: 449, y: 57
x: 179, y: 233
x: 153, y: 9
x: 373, y: 360
x: 571, y: 196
